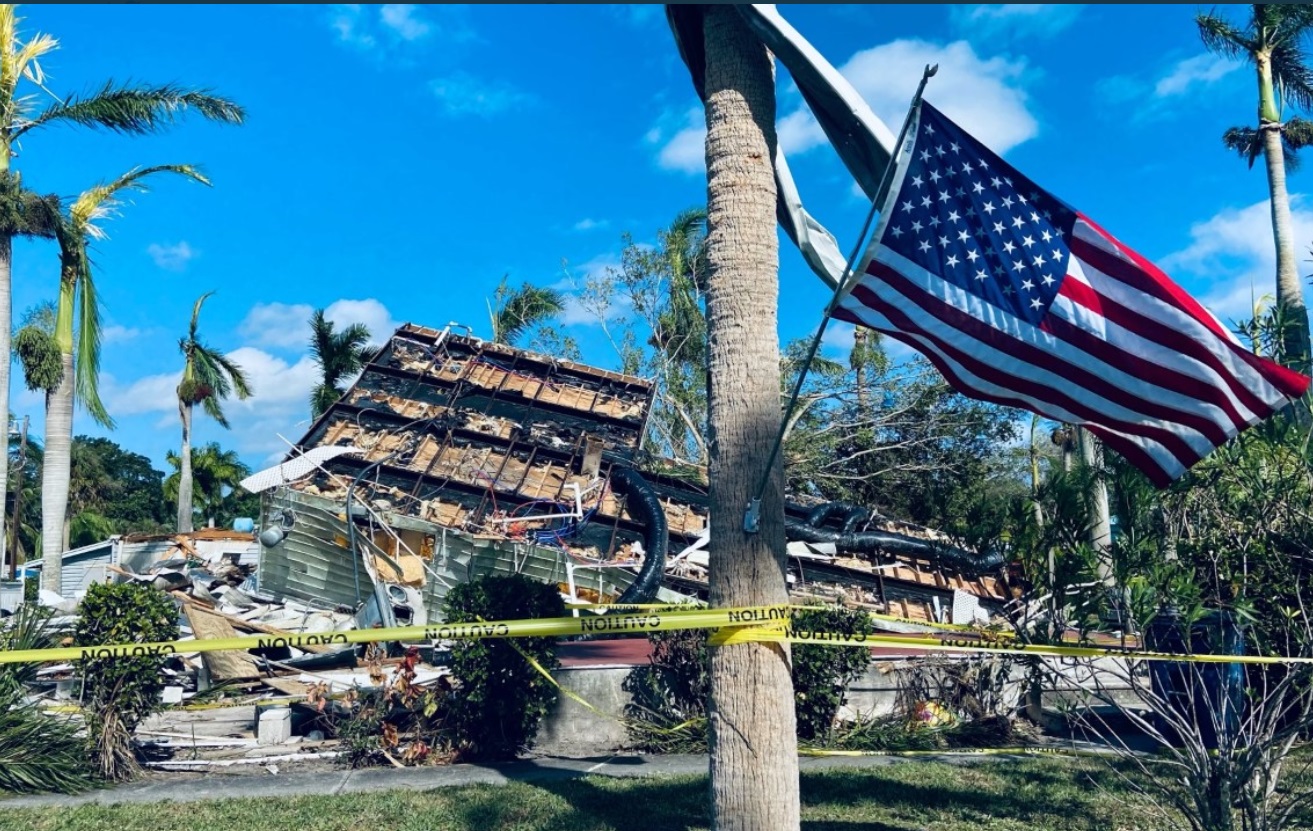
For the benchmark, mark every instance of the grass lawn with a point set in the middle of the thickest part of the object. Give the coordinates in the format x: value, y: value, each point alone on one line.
x: 1049, y: 794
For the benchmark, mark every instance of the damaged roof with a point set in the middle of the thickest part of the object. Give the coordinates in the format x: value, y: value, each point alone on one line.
x: 472, y: 436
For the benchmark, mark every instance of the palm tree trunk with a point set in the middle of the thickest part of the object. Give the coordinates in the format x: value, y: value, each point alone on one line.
x: 754, y: 748
x: 1290, y: 290
x: 184, y: 470
x: 56, y: 471
x: 6, y: 299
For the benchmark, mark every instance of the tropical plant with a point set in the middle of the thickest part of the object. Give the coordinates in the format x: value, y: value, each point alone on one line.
x: 215, y: 475
x: 339, y: 356
x: 38, y: 751
x: 78, y: 347
x: 208, y: 378
x: 502, y: 698
x: 129, y: 109
x: 1274, y: 39
x: 513, y: 312
x: 118, y: 692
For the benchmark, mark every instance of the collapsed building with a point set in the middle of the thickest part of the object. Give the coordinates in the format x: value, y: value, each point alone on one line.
x: 453, y: 457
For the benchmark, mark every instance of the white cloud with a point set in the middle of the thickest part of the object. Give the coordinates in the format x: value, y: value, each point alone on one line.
x: 685, y: 150
x: 1233, y: 256
x: 281, y: 385
x: 1000, y: 21
x: 119, y: 334
x: 582, y: 310
x: 838, y: 338
x: 799, y: 132
x: 401, y: 18
x: 172, y: 257
x: 589, y: 224
x: 348, y: 21
x: 287, y: 326
x: 984, y: 96
x: 462, y: 94
x: 1201, y: 69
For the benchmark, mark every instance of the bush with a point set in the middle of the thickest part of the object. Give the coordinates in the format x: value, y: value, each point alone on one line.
x: 38, y: 752
x: 821, y: 674
x: 117, y: 693
x: 502, y: 699
x: 669, y: 709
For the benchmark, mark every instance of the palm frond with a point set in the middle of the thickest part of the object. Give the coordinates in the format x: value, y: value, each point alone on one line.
x: 19, y: 59
x: 1220, y: 36
x: 99, y: 201
x: 25, y: 213
x: 86, y: 356
x: 1291, y: 74
x: 523, y: 309
x: 1246, y: 141
x: 196, y: 315
x: 136, y: 110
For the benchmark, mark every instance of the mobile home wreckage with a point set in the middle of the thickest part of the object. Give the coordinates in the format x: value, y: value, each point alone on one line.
x: 453, y: 457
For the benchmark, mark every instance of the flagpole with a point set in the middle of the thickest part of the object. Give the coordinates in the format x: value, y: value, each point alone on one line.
x: 752, y: 514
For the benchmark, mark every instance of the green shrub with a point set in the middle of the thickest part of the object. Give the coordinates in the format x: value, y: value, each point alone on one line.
x: 31, y: 589
x: 117, y: 693
x: 669, y: 709
x: 502, y: 699
x: 821, y: 674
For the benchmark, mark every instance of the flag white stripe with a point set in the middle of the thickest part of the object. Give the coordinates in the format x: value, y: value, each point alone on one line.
x: 1163, y: 458
x: 1023, y: 332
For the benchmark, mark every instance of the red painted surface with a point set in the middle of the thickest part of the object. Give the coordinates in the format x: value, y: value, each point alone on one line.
x: 604, y: 652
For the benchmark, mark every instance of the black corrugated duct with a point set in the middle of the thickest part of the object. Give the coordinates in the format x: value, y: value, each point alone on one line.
x: 642, y: 503
x: 868, y: 542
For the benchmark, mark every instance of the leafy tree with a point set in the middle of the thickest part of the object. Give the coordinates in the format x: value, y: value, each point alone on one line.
x: 128, y: 109
x: 208, y: 378
x: 514, y: 312
x: 339, y: 355
x: 215, y: 473
x: 652, y: 309
x: 1273, y: 40
x: 80, y: 375
x: 118, y: 484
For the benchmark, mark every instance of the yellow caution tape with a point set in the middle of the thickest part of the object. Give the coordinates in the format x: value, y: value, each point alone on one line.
x: 782, y: 633
x: 731, y: 626
x: 634, y: 623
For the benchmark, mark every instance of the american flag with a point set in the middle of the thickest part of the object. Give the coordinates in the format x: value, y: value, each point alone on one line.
x: 1021, y: 300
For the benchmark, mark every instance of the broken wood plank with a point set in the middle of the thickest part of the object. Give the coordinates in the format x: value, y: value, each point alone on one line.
x: 250, y: 625
x: 227, y: 664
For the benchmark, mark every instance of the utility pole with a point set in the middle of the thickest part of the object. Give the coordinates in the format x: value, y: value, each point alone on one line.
x: 12, y: 550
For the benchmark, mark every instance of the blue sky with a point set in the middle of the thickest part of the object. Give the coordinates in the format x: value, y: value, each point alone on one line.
x: 398, y: 160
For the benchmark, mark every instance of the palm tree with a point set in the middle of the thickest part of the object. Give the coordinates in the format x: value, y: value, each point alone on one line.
x: 79, y: 375
x: 215, y: 473
x: 122, y: 108
x: 1273, y: 40
x: 754, y: 752
x: 208, y: 378
x: 519, y: 310
x: 339, y: 355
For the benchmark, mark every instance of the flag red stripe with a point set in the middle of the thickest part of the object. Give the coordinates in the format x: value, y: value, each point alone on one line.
x: 1153, y: 372
x: 1144, y: 276
x: 1030, y: 354
x: 1167, y: 337
x: 1171, y: 442
x: 1137, y: 455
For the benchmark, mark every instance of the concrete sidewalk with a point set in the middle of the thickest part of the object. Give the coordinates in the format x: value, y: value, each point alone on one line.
x: 194, y: 787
